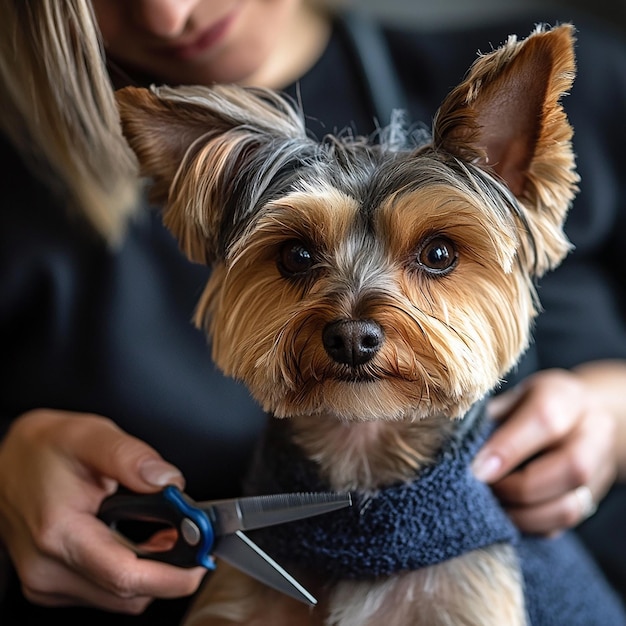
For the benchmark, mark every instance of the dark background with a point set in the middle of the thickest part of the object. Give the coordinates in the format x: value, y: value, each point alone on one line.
x: 461, y: 12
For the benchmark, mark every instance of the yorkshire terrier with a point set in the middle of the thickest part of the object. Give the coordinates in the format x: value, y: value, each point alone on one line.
x: 373, y: 291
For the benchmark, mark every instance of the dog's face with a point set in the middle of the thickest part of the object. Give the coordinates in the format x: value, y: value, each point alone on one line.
x: 370, y: 281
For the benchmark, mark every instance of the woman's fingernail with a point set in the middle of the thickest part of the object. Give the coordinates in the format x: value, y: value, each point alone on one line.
x: 159, y: 473
x: 486, y: 467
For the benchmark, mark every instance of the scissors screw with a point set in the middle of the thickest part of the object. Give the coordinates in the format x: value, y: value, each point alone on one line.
x: 190, y: 532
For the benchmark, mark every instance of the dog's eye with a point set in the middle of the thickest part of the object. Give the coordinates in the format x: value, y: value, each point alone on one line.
x: 294, y: 259
x: 437, y: 255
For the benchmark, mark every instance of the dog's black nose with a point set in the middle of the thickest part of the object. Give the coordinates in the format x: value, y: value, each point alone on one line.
x: 352, y: 342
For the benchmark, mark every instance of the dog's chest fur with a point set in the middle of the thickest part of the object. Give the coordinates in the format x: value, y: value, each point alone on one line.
x: 369, y: 455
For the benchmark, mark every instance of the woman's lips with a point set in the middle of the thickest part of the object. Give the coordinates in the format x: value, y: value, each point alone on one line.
x: 204, y: 41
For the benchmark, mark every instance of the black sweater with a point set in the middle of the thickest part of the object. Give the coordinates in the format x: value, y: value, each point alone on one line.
x: 87, y: 329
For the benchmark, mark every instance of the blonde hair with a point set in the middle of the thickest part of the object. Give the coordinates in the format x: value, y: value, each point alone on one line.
x: 57, y: 106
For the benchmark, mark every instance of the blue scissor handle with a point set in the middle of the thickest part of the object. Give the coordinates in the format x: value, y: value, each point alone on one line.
x: 196, y: 536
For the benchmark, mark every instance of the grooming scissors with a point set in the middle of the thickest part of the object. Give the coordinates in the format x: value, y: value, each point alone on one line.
x: 216, y: 527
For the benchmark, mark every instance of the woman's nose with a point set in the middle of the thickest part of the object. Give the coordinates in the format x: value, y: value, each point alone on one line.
x: 165, y: 18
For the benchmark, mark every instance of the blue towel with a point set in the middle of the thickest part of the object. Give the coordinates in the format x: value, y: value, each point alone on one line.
x: 443, y: 513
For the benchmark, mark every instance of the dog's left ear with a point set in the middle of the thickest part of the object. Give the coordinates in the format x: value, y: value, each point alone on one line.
x: 506, y: 116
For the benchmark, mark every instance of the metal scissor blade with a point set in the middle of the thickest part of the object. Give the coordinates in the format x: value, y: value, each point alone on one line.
x: 261, y: 511
x: 242, y: 553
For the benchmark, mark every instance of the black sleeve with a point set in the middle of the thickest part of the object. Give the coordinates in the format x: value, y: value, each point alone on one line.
x: 581, y: 320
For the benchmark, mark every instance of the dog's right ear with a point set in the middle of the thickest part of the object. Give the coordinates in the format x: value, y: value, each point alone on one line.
x: 193, y: 142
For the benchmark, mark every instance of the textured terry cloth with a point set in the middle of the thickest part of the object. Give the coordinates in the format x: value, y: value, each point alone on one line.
x: 445, y: 513
x: 442, y: 514
x: 564, y: 586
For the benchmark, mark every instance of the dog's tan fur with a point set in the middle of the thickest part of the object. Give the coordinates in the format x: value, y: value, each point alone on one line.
x: 450, y: 334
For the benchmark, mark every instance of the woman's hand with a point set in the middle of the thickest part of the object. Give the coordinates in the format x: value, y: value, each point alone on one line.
x: 56, y: 469
x: 553, y: 456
